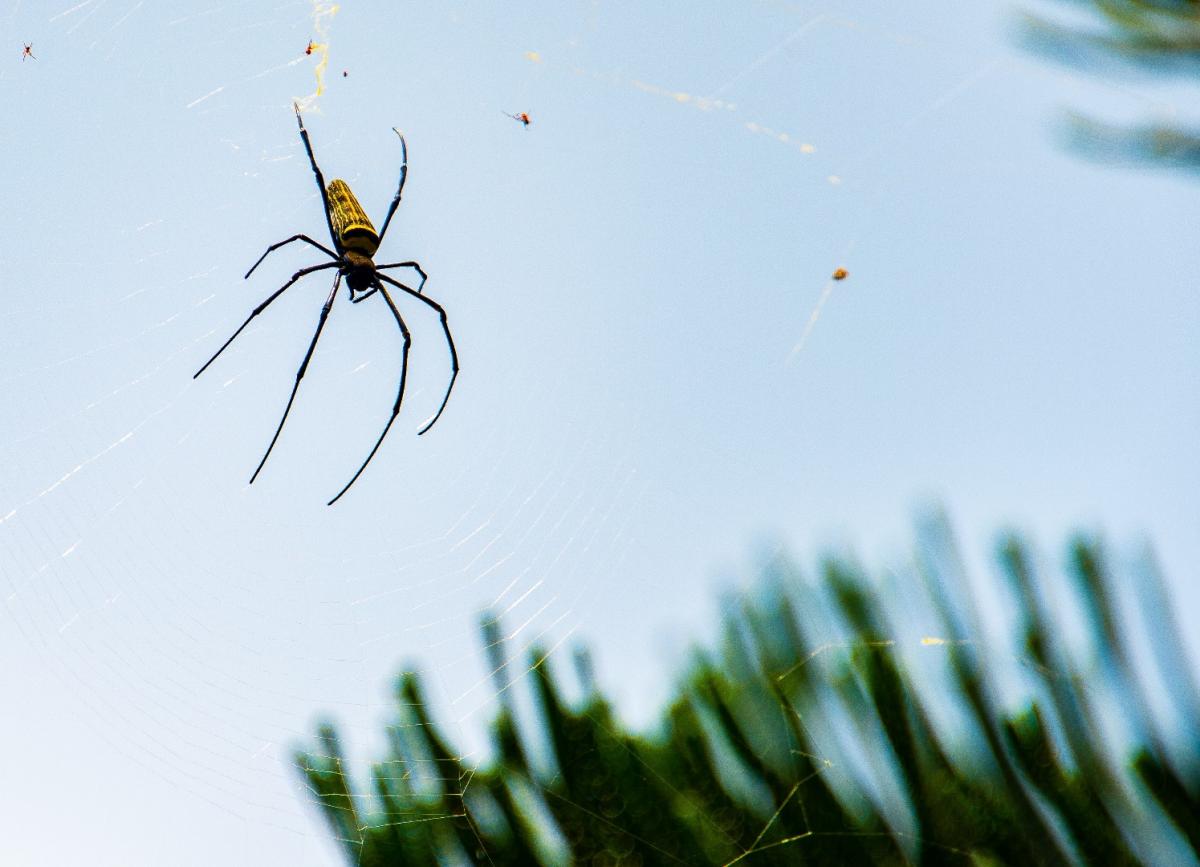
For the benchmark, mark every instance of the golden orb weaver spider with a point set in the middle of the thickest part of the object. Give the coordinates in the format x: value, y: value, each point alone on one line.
x: 355, y: 242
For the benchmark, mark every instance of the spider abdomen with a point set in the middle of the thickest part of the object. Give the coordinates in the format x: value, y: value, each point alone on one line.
x: 350, y: 222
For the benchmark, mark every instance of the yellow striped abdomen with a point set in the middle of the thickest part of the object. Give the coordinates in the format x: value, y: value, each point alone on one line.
x: 350, y: 222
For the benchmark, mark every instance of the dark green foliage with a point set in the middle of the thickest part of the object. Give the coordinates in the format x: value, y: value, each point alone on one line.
x: 1158, y: 36
x: 831, y: 749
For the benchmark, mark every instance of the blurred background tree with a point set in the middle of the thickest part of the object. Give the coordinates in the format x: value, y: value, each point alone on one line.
x: 1120, y: 37
x: 837, y: 721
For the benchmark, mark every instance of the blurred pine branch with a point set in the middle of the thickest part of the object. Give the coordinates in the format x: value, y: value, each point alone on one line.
x: 1161, y: 37
x: 784, y: 749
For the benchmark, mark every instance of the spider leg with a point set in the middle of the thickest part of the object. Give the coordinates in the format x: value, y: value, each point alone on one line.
x: 399, y: 392
x: 399, y: 189
x: 274, y: 247
x: 300, y: 373
x: 413, y: 265
x: 320, y: 178
x: 363, y: 297
x: 261, y: 307
x: 449, y: 342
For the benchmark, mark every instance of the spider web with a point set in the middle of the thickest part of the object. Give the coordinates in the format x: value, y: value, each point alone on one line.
x: 657, y: 363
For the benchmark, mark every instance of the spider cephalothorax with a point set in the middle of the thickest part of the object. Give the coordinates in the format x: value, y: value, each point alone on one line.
x: 359, y: 272
x: 355, y: 242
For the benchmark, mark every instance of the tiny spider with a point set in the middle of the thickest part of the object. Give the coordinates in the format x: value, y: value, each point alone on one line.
x: 841, y: 274
x: 355, y: 242
x: 522, y: 117
x: 310, y: 48
x: 28, y: 52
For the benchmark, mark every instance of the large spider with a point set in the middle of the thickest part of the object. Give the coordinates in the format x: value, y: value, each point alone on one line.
x: 355, y: 242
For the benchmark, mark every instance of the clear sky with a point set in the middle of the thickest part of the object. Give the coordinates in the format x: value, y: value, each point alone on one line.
x: 658, y: 375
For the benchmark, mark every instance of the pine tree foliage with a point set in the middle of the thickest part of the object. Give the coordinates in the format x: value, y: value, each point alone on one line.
x: 1119, y: 36
x: 787, y: 746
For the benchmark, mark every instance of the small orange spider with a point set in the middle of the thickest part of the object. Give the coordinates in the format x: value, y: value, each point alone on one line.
x: 28, y: 52
x: 522, y: 117
x: 310, y: 48
x: 841, y: 274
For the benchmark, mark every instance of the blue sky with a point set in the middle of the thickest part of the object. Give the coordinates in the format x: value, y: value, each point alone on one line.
x: 627, y: 281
